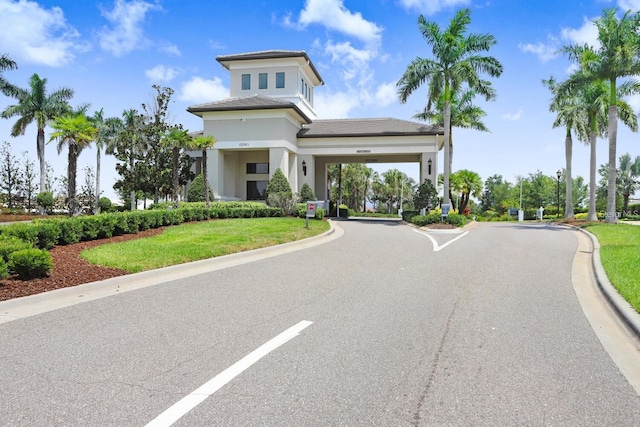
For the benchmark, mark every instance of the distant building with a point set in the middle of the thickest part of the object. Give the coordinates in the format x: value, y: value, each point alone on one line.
x: 268, y: 122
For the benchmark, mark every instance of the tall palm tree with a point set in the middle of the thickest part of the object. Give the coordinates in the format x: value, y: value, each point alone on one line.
x: 618, y: 56
x: 464, y: 115
x: 455, y: 62
x: 77, y: 132
x: 204, y: 143
x: 107, y: 129
x: 7, y: 63
x: 593, y: 96
x: 176, y: 139
x: 35, y: 104
x: 571, y: 115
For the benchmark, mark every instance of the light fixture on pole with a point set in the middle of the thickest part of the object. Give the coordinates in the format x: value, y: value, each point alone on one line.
x: 558, y: 174
x: 429, y: 162
x: 304, y: 168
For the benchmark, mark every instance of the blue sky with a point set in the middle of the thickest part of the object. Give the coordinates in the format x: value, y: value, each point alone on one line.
x: 111, y: 52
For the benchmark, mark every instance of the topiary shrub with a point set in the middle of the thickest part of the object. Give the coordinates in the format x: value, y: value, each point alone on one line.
x: 45, y: 200
x: 24, y: 231
x: 196, y: 190
x: 283, y: 200
x: 48, y: 233
x: 277, y: 184
x: 30, y: 263
x: 11, y: 244
x: 306, y: 193
x: 104, y: 204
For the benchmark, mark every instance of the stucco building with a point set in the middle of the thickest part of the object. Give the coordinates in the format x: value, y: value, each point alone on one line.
x: 268, y: 122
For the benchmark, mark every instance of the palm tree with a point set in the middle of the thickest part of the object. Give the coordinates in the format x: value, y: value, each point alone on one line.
x: 177, y: 138
x: 105, y: 139
x: 629, y: 175
x: 463, y: 115
x: 456, y: 62
x: 593, y: 96
x: 77, y: 132
x: 204, y: 143
x: 618, y: 56
x: 468, y: 184
x: 571, y: 115
x: 7, y: 63
x: 35, y: 104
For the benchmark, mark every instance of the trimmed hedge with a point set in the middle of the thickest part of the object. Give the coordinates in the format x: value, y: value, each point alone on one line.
x: 433, y: 218
x: 47, y: 233
x: 11, y: 244
x: 30, y: 263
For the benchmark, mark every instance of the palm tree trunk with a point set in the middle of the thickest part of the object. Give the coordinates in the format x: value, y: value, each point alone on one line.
x: 176, y: 180
x: 592, y: 215
x: 568, y: 150
x: 206, y: 178
x: 96, y: 209
x: 610, y: 216
x: 71, y: 177
x: 447, y: 154
x: 133, y: 192
x: 43, y: 172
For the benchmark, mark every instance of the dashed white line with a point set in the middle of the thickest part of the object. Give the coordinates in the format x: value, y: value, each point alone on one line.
x: 436, y: 246
x: 199, y: 395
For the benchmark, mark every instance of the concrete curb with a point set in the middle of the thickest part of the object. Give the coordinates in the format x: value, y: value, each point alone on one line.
x: 622, y: 307
x: 32, y: 305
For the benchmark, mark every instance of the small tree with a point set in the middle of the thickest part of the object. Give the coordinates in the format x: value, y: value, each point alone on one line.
x: 278, y: 184
x: 306, y: 193
x: 425, y: 196
x: 29, y: 187
x: 87, y: 196
x: 10, y: 179
x: 45, y: 201
x: 196, y: 191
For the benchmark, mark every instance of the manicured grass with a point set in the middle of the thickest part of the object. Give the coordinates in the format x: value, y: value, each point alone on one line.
x: 196, y: 241
x: 620, y: 256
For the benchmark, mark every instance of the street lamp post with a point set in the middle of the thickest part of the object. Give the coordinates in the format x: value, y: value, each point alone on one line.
x: 558, y: 174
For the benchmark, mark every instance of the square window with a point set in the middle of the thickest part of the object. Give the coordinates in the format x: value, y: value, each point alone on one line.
x: 279, y: 80
x: 262, y: 81
x: 246, y: 81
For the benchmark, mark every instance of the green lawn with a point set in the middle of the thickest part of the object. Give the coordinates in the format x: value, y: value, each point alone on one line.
x: 620, y: 256
x: 201, y: 240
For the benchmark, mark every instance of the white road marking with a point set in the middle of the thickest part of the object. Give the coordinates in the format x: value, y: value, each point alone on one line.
x: 437, y: 247
x: 196, y: 397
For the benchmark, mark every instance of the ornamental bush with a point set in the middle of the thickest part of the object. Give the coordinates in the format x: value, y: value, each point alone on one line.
x: 104, y: 204
x: 4, y: 270
x: 30, y: 263
x: 278, y: 184
x: 306, y: 193
x: 196, y: 190
x: 45, y: 200
x: 11, y: 244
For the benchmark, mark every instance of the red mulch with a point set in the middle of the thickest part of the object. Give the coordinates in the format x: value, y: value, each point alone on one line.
x: 69, y: 269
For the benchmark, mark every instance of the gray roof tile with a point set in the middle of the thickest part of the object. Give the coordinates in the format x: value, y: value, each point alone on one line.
x: 255, y: 102
x: 366, y: 127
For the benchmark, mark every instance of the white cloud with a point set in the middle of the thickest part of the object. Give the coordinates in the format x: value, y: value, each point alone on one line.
x: 513, y: 116
x: 629, y: 5
x: 587, y: 33
x: 126, y: 33
x: 430, y: 7
x: 201, y: 90
x: 170, y: 48
x: 160, y: 73
x: 634, y: 102
x: 544, y: 52
x: 334, y: 16
x: 37, y: 35
x: 386, y: 94
x: 336, y: 105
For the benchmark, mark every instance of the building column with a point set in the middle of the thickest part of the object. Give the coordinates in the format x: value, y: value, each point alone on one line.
x: 278, y: 158
x: 215, y: 170
x: 429, y: 170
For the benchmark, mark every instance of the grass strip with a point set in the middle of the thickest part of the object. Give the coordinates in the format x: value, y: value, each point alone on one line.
x: 201, y: 240
x: 620, y: 256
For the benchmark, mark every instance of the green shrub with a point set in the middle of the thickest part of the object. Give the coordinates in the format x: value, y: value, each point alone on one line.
x: 422, y: 220
x: 45, y: 200
x: 11, y: 244
x: 104, y: 204
x: 24, y: 231
x: 196, y: 190
x: 30, y: 263
x: 4, y: 270
x: 48, y: 233
x: 456, y: 220
x: 70, y: 231
x: 306, y: 193
x: 278, y: 184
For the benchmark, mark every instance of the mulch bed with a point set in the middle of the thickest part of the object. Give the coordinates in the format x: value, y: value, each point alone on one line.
x: 69, y: 269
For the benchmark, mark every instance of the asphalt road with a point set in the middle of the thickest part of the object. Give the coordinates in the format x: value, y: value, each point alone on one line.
x: 485, y: 330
